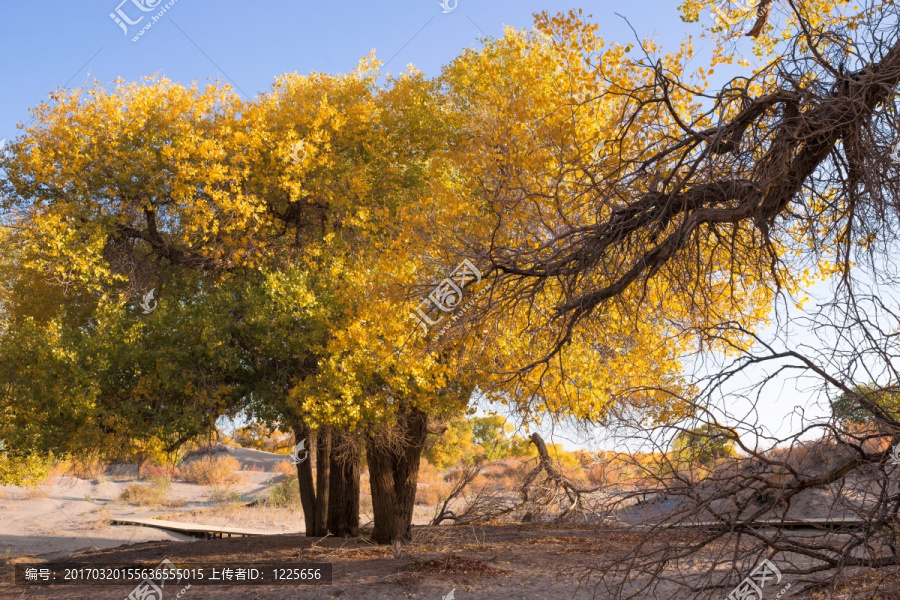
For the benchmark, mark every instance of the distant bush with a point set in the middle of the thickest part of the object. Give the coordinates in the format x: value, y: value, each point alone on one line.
x: 365, y: 504
x: 285, y: 493
x: 225, y: 495
x: 365, y: 498
x: 502, y: 474
x: 163, y: 481
x: 29, y: 470
x: 210, y: 471
x: 144, y: 494
x: 206, y: 450
x: 431, y: 487
x: 82, y: 468
x: 286, y: 467
x: 452, y: 445
x: 428, y: 494
x: 260, y: 437
x: 154, y: 471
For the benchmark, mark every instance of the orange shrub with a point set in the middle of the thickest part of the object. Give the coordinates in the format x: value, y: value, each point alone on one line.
x: 286, y: 467
x: 210, y: 470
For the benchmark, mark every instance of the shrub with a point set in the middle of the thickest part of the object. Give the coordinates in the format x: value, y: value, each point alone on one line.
x: 429, y: 495
x: 137, y: 493
x: 365, y: 503
x: 81, y: 468
x: 162, y: 481
x: 285, y: 493
x: 451, y: 446
x: 225, y: 496
x: 29, y: 470
x: 206, y: 450
x: 34, y: 493
x: 151, y: 494
x: 156, y: 471
x: 286, y: 467
x: 431, y: 488
x: 365, y: 498
x: 602, y: 474
x: 260, y: 436
x: 210, y: 471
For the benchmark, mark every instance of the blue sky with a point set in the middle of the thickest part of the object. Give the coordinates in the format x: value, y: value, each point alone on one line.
x: 54, y: 43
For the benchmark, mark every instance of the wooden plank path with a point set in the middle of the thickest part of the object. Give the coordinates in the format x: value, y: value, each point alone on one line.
x: 814, y: 522
x: 194, y: 529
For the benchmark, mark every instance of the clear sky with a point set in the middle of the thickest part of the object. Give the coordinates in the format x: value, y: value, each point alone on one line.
x: 55, y: 43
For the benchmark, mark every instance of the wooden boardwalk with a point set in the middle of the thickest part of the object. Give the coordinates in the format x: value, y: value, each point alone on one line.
x: 816, y: 523
x: 193, y: 529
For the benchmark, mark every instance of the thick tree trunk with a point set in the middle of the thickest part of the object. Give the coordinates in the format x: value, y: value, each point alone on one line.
x: 343, y: 504
x: 305, y: 480
x: 323, y: 470
x: 393, y: 473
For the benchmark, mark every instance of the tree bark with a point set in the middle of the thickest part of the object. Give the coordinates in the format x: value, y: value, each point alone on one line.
x: 343, y: 503
x: 393, y: 474
x: 305, y: 480
x: 323, y: 470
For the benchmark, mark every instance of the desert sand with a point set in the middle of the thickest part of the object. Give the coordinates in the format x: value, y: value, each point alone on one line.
x: 67, y: 515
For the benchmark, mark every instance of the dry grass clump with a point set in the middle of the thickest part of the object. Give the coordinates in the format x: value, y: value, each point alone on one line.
x: 152, y: 472
x: 365, y: 494
x: 225, y: 495
x: 153, y: 494
x: 603, y: 473
x: 504, y: 474
x: 453, y: 564
x: 35, y: 494
x: 206, y: 450
x: 287, y: 468
x: 431, y: 487
x: 102, y: 520
x: 871, y: 586
x: 820, y: 456
x: 209, y: 470
x: 284, y: 494
x: 144, y: 495
x: 82, y: 468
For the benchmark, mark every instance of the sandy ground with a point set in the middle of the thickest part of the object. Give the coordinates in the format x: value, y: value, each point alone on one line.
x: 494, y: 562
x: 68, y: 515
x: 491, y: 562
x: 71, y: 516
